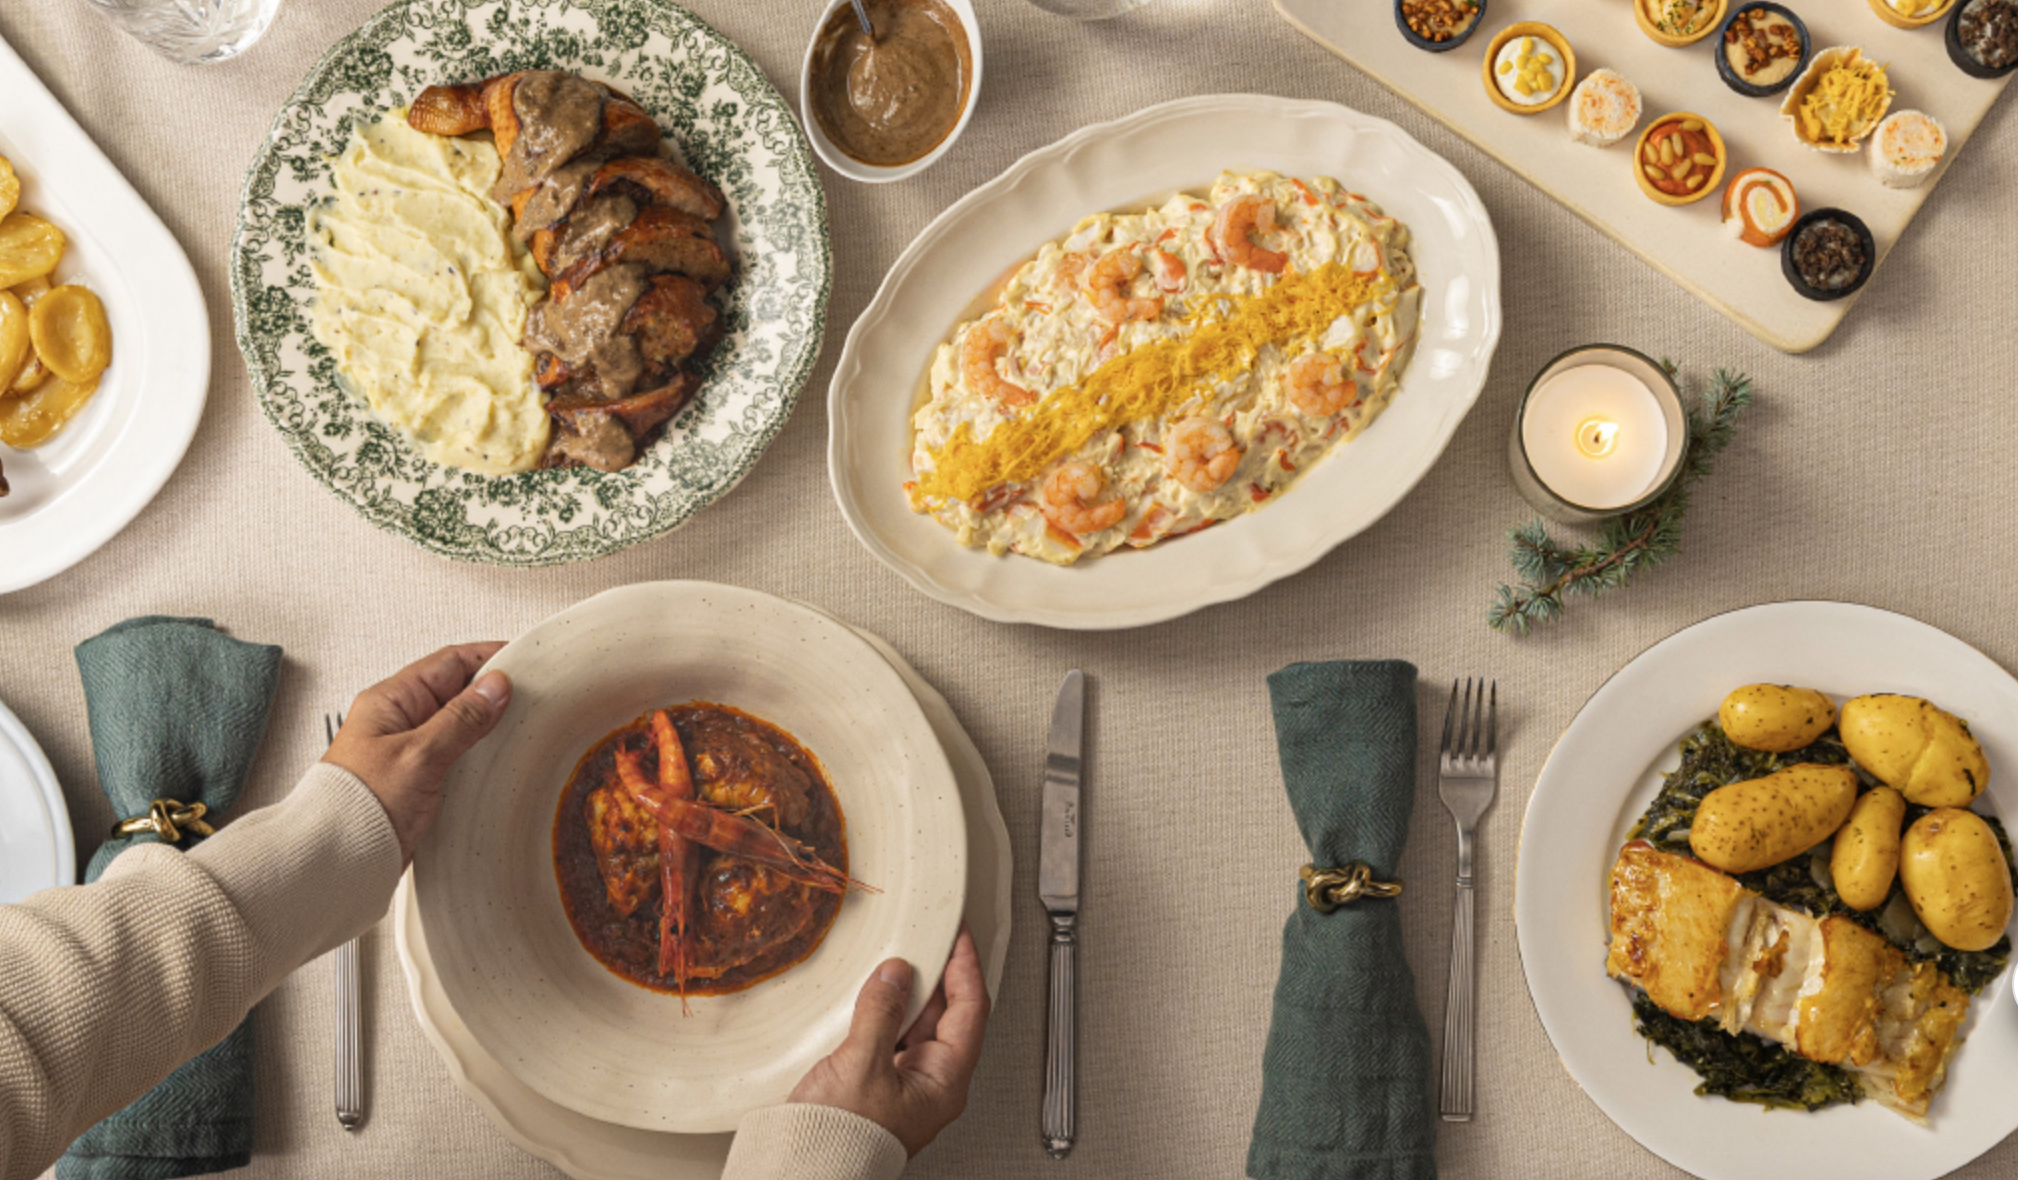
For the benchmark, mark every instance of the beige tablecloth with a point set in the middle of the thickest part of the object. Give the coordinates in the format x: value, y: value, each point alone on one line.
x: 1874, y: 469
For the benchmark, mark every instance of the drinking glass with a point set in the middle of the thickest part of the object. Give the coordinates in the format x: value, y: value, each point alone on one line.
x: 191, y: 32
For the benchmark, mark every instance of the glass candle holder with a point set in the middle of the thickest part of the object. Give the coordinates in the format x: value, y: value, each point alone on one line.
x: 1600, y: 433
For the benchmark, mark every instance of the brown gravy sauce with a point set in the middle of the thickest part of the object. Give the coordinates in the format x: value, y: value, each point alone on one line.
x: 891, y: 100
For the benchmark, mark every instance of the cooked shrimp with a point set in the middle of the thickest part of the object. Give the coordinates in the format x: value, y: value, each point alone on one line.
x: 1200, y: 454
x: 1169, y: 270
x: 1239, y: 222
x: 981, y: 351
x: 1070, y: 499
x: 1319, y: 385
x: 1107, y: 286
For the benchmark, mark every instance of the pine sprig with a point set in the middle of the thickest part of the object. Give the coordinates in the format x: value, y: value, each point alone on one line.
x: 1550, y: 571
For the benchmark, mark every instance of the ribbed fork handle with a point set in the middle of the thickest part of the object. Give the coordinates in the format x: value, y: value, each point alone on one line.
x: 349, y: 1041
x: 1455, y: 1094
x: 1060, y: 1096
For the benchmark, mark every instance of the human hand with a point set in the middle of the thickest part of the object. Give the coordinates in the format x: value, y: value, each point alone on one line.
x: 913, y: 1085
x: 403, y: 733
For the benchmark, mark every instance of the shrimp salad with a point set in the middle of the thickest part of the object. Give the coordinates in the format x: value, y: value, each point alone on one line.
x: 1155, y: 373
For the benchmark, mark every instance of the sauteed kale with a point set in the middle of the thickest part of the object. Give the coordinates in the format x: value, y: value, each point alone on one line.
x: 1745, y: 1068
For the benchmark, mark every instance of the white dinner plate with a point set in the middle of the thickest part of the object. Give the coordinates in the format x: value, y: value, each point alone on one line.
x: 508, y: 958
x: 35, y: 847
x: 1130, y: 164
x: 74, y: 492
x: 590, y: 1150
x: 1606, y: 769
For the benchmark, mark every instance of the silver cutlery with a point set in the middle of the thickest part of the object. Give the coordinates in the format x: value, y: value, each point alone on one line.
x: 1467, y: 778
x: 1058, y: 888
x: 349, y: 1038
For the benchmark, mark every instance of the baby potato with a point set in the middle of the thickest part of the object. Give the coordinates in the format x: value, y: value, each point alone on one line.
x: 70, y: 333
x: 29, y: 248
x: 14, y: 345
x: 31, y: 419
x: 1955, y: 875
x: 1775, y: 717
x: 1866, y: 853
x: 1763, y: 821
x: 10, y: 187
x: 1926, y: 753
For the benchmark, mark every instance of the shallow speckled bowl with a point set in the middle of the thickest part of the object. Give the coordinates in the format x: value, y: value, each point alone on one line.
x: 508, y: 960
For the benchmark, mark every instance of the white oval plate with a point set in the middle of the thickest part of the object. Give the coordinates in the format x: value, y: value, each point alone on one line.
x: 1130, y: 164
x: 75, y: 492
x: 36, y: 851
x: 510, y: 963
x: 1603, y: 773
x: 589, y: 1150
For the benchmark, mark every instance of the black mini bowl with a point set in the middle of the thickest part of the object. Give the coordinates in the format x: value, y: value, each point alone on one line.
x: 1424, y: 43
x: 1793, y: 273
x: 1735, y: 80
x: 1956, y: 53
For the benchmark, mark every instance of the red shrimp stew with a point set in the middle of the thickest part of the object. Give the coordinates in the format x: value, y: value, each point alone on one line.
x: 748, y: 914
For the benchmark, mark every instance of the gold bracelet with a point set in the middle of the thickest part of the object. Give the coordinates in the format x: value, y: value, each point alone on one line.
x: 168, y: 819
x: 1328, y: 889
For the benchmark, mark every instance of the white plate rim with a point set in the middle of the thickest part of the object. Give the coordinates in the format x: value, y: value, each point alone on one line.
x: 522, y: 1116
x: 161, y: 346
x: 844, y: 448
x: 1635, y: 719
x: 55, y: 811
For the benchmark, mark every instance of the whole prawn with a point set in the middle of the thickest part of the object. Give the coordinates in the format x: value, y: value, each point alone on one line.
x: 726, y: 831
x: 679, y: 860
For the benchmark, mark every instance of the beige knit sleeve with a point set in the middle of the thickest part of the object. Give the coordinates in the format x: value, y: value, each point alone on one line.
x: 105, y: 988
x: 799, y: 1141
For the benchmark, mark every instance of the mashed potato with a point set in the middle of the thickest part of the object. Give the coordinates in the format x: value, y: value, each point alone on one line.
x: 422, y: 294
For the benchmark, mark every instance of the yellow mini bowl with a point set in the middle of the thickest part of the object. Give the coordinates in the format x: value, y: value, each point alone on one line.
x: 1529, y: 28
x: 1716, y: 179
x: 1897, y: 20
x: 1712, y: 18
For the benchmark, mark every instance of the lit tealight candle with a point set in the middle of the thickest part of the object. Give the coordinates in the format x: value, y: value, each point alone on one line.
x: 1601, y: 432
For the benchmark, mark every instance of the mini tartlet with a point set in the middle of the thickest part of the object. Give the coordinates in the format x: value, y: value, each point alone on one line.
x: 1651, y: 13
x: 1760, y: 207
x: 1838, y: 100
x: 1852, y: 248
x: 1731, y: 29
x: 1449, y: 43
x: 1699, y: 138
x: 1936, y: 9
x: 1544, y: 36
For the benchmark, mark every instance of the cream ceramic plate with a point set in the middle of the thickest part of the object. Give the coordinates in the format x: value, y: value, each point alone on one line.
x: 510, y: 964
x: 75, y: 492
x: 1130, y: 164
x: 1602, y: 775
x: 35, y: 844
x: 589, y: 1150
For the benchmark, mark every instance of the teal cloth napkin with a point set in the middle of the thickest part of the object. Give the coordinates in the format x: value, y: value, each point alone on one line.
x: 1345, y: 1079
x: 177, y: 711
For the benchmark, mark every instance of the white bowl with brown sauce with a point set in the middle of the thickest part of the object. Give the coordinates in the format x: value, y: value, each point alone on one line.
x: 883, y: 109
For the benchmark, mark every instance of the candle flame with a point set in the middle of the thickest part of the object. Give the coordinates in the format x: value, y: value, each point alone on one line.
x: 1596, y: 437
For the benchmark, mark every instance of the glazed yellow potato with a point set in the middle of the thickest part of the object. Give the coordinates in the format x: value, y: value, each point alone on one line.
x: 1955, y: 875
x: 1763, y: 821
x: 31, y: 419
x: 1866, y: 854
x: 29, y: 248
x: 71, y: 334
x: 14, y: 347
x: 1775, y: 717
x: 1926, y: 753
x: 10, y: 187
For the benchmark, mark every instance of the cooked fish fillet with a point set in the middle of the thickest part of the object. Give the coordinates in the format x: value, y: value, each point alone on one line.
x: 1703, y: 946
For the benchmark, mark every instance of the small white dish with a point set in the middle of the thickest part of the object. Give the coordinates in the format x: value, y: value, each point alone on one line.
x: 36, y: 851
x: 509, y: 962
x: 848, y: 165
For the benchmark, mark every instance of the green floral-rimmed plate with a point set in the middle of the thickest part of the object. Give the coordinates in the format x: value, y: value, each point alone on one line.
x: 720, y: 113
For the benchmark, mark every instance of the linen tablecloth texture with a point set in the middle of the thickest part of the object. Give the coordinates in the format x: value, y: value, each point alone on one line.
x: 1876, y: 469
x: 177, y: 710
x: 1345, y: 1080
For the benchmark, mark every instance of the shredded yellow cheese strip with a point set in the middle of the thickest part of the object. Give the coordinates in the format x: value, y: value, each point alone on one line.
x: 1151, y: 380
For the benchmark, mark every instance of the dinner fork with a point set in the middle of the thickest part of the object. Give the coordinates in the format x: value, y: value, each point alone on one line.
x: 349, y: 1041
x: 1467, y: 774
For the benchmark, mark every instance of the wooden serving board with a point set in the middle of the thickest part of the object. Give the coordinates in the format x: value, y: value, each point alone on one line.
x: 1687, y: 243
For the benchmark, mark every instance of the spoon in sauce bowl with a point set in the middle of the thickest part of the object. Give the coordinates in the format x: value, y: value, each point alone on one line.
x: 862, y: 14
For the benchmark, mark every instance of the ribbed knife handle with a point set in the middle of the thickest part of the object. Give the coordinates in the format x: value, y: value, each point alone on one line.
x: 1458, y: 1051
x: 1060, y: 1098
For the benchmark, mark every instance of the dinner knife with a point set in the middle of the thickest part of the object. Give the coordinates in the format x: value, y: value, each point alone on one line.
x: 1058, y: 888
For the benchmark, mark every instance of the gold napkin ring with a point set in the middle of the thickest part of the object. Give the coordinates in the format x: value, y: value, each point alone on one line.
x: 1328, y: 889
x: 168, y: 819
